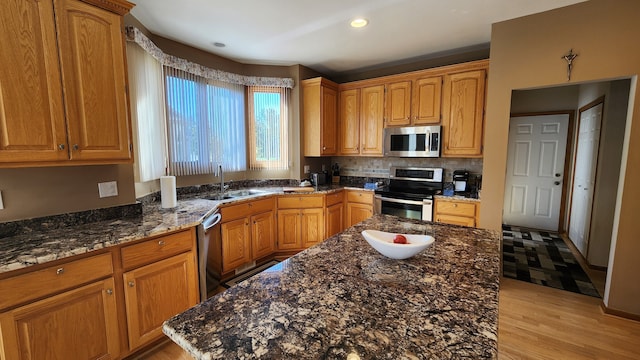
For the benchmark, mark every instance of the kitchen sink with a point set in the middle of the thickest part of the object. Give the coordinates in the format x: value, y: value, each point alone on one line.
x: 234, y: 194
x: 220, y: 197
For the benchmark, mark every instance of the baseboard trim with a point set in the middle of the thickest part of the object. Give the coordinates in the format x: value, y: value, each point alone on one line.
x: 618, y: 313
x: 596, y: 267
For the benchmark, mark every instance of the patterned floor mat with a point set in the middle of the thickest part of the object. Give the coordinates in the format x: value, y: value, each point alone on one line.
x: 542, y: 258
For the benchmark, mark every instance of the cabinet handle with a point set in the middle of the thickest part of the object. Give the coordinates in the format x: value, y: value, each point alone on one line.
x: 161, y: 242
x: 455, y: 205
x: 131, y: 284
x: 60, y: 146
x: 324, y: 148
x: 75, y: 147
x: 109, y: 292
x: 60, y: 271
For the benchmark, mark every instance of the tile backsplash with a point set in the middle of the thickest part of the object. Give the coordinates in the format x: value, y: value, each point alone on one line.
x: 379, y: 167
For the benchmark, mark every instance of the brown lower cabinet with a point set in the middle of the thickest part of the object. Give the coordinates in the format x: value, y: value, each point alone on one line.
x: 156, y: 292
x: 104, y: 306
x: 54, y: 328
x: 247, y: 233
x: 334, y: 214
x: 454, y: 212
x: 300, y: 221
x: 359, y: 206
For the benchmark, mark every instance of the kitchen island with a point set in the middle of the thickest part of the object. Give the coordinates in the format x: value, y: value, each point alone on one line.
x: 343, y: 300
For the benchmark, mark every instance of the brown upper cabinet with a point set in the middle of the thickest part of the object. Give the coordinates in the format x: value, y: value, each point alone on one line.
x: 361, y: 120
x: 64, y: 76
x: 463, y: 113
x: 452, y: 96
x: 415, y: 101
x: 320, y: 116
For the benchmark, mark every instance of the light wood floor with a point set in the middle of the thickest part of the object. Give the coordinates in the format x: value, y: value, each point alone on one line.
x: 538, y: 322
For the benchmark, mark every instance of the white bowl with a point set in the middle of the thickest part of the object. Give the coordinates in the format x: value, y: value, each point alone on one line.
x: 383, y: 243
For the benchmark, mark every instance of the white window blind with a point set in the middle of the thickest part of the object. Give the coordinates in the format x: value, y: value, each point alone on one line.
x: 206, y: 124
x: 147, y: 111
x: 268, y: 124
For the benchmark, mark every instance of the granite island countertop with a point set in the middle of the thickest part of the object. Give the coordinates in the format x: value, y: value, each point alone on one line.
x: 29, y: 247
x: 343, y: 300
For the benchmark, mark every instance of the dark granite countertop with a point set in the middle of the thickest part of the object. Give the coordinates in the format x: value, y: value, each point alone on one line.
x: 32, y: 245
x: 343, y: 300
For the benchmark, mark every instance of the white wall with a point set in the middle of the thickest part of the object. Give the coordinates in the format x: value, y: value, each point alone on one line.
x: 526, y: 53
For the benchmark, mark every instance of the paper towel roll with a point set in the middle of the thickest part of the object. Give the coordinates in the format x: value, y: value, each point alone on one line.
x: 168, y: 191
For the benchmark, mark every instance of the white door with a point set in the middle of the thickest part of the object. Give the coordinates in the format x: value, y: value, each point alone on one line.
x: 535, y: 166
x: 584, y: 177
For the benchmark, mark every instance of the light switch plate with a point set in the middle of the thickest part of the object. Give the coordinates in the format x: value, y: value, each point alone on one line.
x: 106, y: 189
x: 307, y: 169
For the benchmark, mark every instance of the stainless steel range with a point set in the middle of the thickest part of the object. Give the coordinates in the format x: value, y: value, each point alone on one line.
x: 410, y: 192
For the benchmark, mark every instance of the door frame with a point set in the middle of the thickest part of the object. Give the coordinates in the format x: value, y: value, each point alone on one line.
x: 567, y: 164
x: 594, y: 103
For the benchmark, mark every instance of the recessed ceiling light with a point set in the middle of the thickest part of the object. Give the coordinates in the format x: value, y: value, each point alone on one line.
x: 219, y: 44
x: 359, y: 22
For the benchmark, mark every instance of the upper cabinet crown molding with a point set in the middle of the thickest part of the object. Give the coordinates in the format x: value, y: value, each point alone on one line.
x: 120, y: 7
x: 67, y: 103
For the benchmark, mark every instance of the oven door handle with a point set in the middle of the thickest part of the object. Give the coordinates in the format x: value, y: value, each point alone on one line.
x: 399, y: 201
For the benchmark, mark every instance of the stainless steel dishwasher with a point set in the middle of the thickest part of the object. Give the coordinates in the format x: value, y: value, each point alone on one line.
x: 209, y: 280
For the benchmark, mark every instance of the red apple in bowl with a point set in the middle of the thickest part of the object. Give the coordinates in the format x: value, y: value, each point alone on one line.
x: 399, y: 239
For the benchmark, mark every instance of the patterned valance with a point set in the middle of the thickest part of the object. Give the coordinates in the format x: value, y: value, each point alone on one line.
x: 135, y: 35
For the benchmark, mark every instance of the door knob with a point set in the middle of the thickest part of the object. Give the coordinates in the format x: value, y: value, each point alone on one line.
x: 557, y: 174
x: 556, y: 182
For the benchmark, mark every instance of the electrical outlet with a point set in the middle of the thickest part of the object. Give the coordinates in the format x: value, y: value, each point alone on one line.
x: 324, y: 168
x: 307, y: 169
x: 106, y: 189
x: 1, y: 203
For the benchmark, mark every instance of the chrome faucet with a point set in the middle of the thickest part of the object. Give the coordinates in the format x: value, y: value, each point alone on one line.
x: 221, y: 174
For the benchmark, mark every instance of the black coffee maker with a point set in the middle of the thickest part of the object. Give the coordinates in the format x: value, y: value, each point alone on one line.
x: 460, y: 181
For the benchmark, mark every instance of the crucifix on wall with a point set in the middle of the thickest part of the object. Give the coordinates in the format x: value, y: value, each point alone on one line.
x: 569, y: 58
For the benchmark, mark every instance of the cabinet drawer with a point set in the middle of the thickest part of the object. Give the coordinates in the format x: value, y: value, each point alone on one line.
x: 300, y: 201
x: 245, y: 208
x: 364, y: 197
x: 157, y: 248
x: 334, y: 198
x: 456, y: 220
x: 456, y: 208
x: 40, y: 283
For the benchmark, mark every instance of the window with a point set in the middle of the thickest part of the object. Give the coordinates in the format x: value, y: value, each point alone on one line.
x: 268, y: 127
x: 206, y: 124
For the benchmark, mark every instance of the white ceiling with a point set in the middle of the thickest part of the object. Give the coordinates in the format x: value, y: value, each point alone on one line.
x: 316, y: 33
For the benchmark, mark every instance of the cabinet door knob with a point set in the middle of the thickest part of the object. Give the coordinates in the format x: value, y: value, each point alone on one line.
x: 75, y: 147
x: 324, y: 148
x: 161, y: 242
x: 60, y: 271
x: 60, y: 146
x: 109, y: 292
x: 131, y: 284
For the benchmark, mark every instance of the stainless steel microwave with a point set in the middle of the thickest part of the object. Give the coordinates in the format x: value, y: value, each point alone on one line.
x: 414, y: 141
